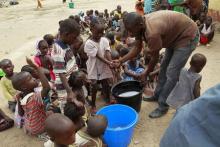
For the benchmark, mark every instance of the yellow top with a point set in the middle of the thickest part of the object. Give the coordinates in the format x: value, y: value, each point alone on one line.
x: 8, y: 91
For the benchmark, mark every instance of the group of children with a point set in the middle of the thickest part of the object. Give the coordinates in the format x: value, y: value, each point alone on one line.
x: 66, y: 73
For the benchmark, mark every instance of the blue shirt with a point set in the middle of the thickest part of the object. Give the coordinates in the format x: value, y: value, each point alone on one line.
x: 197, y: 123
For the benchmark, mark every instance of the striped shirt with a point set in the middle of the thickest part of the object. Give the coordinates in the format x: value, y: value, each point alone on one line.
x: 64, y: 62
x: 34, y: 113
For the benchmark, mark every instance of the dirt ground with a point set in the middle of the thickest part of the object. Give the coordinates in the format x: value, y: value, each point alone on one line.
x: 22, y: 25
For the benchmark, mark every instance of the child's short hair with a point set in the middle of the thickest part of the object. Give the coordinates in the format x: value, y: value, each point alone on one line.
x: 77, y: 79
x: 123, y: 52
x: 73, y: 112
x: 110, y: 36
x: 60, y: 129
x: 19, y: 79
x: 115, y: 55
x: 71, y: 17
x: 40, y: 43
x: 31, y: 70
x: 4, y: 62
x: 96, y: 125
x: 95, y: 21
x: 49, y: 39
x: 198, y: 60
x: 69, y: 26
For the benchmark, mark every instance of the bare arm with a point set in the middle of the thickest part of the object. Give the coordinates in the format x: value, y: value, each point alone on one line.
x: 42, y: 77
x: 134, y: 51
x: 65, y: 83
x: 197, y: 88
x: 103, y: 59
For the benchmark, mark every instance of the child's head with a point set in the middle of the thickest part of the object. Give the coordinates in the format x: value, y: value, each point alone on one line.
x: 49, y: 38
x: 202, y: 16
x: 106, y: 11
x: 124, y: 51
x: 97, y: 29
x: 208, y: 20
x: 71, y: 17
x: 69, y: 31
x: 111, y: 37
x: 77, y: 19
x: 75, y: 114
x: 87, y: 13
x: 96, y: 13
x: 96, y: 125
x: 91, y: 12
x: 115, y: 55
x: 7, y: 67
x: 119, y: 9
x: 24, y: 82
x: 124, y: 14
x: 119, y: 47
x: 43, y: 47
x: 60, y: 129
x: 77, y: 79
x: 101, y: 15
x: 198, y: 61
x: 31, y: 70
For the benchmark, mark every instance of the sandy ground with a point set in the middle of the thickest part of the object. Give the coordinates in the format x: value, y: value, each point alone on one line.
x: 22, y: 25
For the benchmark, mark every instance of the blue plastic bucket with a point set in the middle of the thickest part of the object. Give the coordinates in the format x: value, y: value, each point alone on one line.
x: 121, y: 122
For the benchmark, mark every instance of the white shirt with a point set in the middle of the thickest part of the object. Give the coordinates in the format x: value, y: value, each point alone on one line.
x: 97, y: 70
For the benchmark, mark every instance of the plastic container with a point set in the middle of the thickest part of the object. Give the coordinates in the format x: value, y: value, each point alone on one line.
x: 71, y: 5
x: 133, y: 101
x: 121, y: 122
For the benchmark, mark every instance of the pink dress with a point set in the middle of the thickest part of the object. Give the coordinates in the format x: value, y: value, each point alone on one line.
x: 38, y: 62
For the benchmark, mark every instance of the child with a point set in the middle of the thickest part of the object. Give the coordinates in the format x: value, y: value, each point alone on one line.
x: 139, y: 7
x: 64, y: 59
x: 113, y: 42
x: 207, y: 31
x: 188, y: 86
x: 49, y: 38
x: 61, y: 131
x: 106, y: 14
x: 31, y: 105
x: 5, y: 121
x: 76, y: 82
x: 31, y: 70
x: 132, y: 69
x: 98, y: 51
x: 42, y: 59
x: 7, y: 89
x: 202, y: 19
x: 117, y: 71
x: 90, y: 135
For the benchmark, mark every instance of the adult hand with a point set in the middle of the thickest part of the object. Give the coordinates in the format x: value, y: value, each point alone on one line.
x: 71, y: 97
x: 142, y: 77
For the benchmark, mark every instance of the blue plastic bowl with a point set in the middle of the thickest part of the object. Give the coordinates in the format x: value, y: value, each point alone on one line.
x: 121, y: 122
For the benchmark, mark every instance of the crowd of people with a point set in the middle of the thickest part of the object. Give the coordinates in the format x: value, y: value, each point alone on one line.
x: 60, y: 84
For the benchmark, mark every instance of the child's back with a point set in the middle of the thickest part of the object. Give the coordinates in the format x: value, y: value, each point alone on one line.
x: 183, y: 92
x: 188, y: 86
